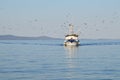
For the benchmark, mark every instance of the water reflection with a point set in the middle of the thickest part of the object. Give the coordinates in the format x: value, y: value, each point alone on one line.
x: 71, y: 61
x: 71, y: 51
x: 71, y: 55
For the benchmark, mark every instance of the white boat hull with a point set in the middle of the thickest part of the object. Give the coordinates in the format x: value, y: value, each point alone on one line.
x: 71, y: 43
x: 71, y: 39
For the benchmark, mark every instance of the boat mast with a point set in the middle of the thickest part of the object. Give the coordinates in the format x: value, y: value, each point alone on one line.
x: 71, y: 29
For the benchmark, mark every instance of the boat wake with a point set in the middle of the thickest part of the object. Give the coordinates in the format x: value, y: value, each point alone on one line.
x: 99, y: 43
x: 27, y: 43
x: 82, y: 43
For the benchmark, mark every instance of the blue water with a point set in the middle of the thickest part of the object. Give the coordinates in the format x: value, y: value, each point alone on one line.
x: 50, y: 60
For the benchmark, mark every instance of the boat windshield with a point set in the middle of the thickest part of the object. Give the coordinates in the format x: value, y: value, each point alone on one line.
x: 71, y: 40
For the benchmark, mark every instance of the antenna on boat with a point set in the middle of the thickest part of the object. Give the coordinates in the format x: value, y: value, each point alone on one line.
x: 71, y: 29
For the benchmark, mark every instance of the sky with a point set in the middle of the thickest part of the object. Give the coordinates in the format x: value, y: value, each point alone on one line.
x: 92, y: 19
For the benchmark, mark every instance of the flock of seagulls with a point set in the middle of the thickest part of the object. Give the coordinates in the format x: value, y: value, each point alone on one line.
x: 83, y: 25
x: 97, y: 24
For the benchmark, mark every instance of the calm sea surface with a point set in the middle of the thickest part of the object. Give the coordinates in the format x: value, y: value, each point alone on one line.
x: 50, y: 60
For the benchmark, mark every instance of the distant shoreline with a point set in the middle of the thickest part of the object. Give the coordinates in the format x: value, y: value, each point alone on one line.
x: 12, y: 37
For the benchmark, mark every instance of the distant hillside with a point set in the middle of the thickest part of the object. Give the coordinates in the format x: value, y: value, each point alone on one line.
x: 12, y: 37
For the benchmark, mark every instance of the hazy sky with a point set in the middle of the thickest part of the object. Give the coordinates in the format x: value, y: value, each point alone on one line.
x: 93, y: 18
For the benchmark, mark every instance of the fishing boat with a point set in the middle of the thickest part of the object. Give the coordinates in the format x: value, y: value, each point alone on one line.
x: 71, y: 39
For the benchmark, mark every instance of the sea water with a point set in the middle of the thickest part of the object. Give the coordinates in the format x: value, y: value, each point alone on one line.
x: 50, y: 60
